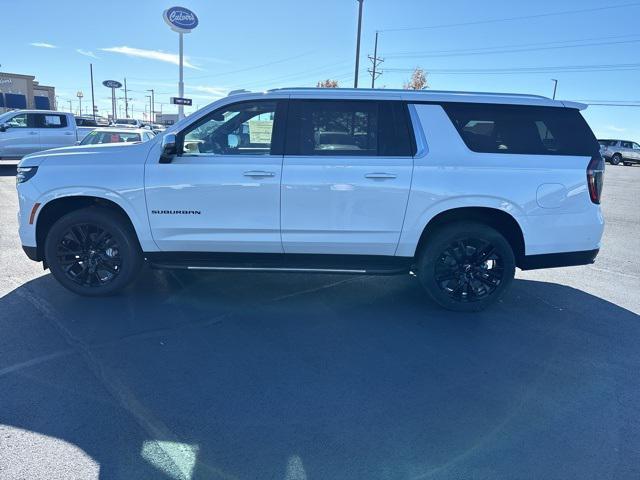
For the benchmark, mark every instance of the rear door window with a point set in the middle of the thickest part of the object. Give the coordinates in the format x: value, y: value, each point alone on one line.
x: 353, y: 128
x: 51, y: 121
x: 518, y: 129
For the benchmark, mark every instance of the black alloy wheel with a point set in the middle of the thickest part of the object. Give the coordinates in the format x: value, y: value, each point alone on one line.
x: 89, y: 255
x: 93, y: 251
x: 469, y: 270
x: 465, y: 266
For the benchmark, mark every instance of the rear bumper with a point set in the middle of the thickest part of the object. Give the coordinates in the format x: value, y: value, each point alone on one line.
x: 552, y: 260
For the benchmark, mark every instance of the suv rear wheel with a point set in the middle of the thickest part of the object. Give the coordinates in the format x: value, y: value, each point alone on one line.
x: 466, y: 266
x: 616, y: 159
x: 92, y: 252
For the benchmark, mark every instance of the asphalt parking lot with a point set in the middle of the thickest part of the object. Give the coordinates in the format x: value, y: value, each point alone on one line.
x: 271, y: 376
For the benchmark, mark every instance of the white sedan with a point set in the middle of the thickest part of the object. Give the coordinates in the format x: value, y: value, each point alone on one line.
x: 117, y: 135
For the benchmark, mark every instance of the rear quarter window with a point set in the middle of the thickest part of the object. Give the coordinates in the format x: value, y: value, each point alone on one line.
x: 518, y: 129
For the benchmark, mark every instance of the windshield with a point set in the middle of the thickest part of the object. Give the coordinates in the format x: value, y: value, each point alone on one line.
x: 6, y: 116
x: 126, y: 121
x: 96, y: 138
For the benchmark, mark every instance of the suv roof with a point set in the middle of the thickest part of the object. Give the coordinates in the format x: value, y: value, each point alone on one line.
x: 418, y: 95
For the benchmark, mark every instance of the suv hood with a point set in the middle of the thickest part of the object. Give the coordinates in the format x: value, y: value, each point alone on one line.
x: 92, y: 152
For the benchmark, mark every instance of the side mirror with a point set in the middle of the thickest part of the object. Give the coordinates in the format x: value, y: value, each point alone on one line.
x: 233, y: 140
x: 3, y: 127
x: 77, y: 142
x: 169, y: 148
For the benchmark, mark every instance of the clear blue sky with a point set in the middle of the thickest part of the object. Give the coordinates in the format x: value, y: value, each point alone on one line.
x: 257, y: 44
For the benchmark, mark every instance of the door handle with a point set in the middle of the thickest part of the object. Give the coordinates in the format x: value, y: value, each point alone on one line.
x: 258, y: 173
x: 68, y: 133
x: 33, y: 133
x: 380, y: 175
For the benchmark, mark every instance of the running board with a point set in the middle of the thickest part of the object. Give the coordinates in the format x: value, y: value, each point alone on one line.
x: 291, y: 263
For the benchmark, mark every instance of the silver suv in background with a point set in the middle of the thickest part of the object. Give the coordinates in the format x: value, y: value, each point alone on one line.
x: 620, y: 151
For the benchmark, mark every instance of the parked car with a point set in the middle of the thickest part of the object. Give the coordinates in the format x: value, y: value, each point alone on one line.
x: 458, y: 188
x: 27, y: 131
x: 114, y: 135
x: 128, y: 122
x: 85, y: 125
x: 157, y: 128
x: 620, y: 151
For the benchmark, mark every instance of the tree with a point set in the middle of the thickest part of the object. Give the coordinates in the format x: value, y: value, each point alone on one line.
x: 328, y: 83
x: 418, y: 80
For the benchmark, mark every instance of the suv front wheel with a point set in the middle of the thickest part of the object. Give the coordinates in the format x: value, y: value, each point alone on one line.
x: 616, y: 159
x: 466, y: 266
x: 93, y: 252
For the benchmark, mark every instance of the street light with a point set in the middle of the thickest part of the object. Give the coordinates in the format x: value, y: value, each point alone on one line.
x: 150, y: 108
x: 80, y: 95
x: 153, y: 105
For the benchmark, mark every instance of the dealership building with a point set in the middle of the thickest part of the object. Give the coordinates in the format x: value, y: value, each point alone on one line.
x: 23, y: 91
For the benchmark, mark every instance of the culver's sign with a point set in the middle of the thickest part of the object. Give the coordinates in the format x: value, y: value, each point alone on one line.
x: 180, y: 19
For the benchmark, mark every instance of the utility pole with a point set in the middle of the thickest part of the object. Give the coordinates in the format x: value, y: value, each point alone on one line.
x: 153, y: 105
x: 355, y: 79
x: 375, y: 61
x: 93, y: 100
x: 70, y: 106
x: 80, y: 95
x: 126, y: 99
x: 555, y: 87
x: 150, y: 106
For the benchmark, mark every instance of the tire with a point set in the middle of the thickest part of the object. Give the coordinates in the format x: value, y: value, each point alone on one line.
x: 93, y: 252
x: 486, y: 278
x: 616, y: 159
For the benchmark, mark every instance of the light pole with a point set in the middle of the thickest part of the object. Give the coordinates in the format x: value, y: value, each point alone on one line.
x: 80, y: 95
x: 93, y: 100
x: 555, y: 87
x: 355, y: 78
x: 150, y: 107
x: 153, y: 105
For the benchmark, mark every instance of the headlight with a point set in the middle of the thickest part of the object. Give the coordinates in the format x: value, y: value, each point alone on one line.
x: 25, y: 173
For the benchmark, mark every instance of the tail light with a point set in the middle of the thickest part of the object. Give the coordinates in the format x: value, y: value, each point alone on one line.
x: 595, y: 178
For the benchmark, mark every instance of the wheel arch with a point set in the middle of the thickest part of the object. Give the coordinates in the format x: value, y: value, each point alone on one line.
x: 57, y: 207
x: 496, y: 218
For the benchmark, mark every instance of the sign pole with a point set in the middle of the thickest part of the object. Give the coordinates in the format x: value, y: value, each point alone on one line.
x: 113, y: 104
x: 180, y: 81
x: 181, y: 20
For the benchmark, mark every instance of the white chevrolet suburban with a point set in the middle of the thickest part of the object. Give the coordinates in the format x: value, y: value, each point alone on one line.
x: 458, y: 188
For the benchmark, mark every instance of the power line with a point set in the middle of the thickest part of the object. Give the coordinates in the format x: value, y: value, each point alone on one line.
x: 516, y: 45
x: 496, y: 50
x: 510, y: 19
x: 524, y: 70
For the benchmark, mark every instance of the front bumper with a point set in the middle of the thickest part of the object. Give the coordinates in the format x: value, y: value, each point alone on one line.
x: 32, y: 253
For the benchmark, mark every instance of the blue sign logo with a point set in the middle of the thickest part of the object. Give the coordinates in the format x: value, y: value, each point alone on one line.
x: 112, y: 84
x: 180, y: 19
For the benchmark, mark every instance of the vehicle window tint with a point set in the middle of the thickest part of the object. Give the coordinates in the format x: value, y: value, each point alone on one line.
x: 518, y: 129
x: 331, y: 127
x: 240, y: 129
x: 635, y: 146
x: 18, y: 121
x: 51, y: 121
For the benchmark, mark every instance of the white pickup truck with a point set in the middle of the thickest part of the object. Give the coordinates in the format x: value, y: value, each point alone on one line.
x: 28, y: 131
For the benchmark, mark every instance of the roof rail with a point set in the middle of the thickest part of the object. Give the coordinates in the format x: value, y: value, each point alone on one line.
x: 236, y: 92
x: 398, y: 90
